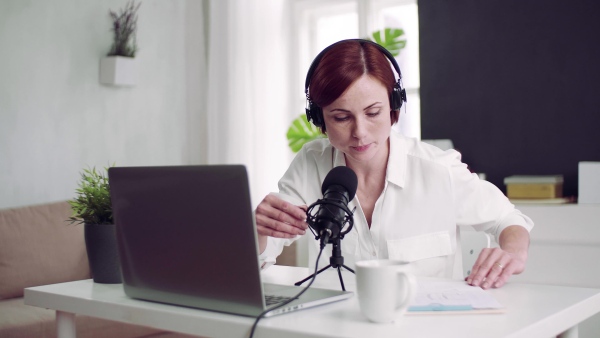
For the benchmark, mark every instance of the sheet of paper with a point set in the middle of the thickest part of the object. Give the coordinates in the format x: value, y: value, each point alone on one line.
x: 451, y: 295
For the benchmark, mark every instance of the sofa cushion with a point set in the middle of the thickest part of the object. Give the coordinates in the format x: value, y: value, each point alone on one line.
x: 37, y: 247
x: 18, y: 320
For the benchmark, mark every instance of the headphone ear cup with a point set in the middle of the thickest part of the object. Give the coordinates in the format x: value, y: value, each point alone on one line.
x: 398, y: 96
x: 314, y: 114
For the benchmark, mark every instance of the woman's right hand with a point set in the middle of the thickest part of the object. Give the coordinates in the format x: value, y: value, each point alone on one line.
x: 278, y: 218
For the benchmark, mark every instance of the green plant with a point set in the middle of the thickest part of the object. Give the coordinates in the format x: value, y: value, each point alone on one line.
x: 124, y: 27
x: 390, y: 39
x: 300, y: 132
x: 92, y: 204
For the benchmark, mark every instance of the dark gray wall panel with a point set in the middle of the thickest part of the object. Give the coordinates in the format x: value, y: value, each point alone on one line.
x: 514, y: 83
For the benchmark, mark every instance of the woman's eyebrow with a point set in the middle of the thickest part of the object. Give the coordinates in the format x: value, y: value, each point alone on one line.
x: 371, y: 106
x: 339, y: 109
x: 347, y: 111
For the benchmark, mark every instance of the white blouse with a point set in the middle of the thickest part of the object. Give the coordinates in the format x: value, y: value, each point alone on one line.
x: 428, y: 195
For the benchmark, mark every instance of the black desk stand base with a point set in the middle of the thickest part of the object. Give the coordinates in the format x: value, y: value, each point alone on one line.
x: 336, y: 261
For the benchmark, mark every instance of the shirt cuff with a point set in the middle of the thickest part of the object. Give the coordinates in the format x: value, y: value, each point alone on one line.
x: 514, y: 218
x: 273, y: 249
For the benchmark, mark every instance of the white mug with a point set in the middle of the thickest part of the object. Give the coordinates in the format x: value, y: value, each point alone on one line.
x: 385, y: 288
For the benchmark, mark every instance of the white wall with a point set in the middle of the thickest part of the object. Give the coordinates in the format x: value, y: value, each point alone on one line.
x: 55, y: 117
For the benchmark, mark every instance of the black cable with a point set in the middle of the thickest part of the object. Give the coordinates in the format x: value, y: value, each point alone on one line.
x: 291, y: 299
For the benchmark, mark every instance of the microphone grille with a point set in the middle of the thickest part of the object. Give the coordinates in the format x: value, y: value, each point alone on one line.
x: 343, y: 176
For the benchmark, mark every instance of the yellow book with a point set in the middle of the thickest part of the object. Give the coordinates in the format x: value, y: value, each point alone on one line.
x: 532, y: 187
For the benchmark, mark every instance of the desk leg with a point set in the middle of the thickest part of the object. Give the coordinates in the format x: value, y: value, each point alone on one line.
x: 570, y: 333
x: 65, y: 325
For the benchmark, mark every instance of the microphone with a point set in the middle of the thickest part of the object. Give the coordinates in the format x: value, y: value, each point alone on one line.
x: 339, y: 188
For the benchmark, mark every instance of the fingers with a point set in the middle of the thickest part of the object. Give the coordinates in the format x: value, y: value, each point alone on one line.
x: 270, y: 227
x: 280, y: 210
x: 479, y: 271
x: 278, y: 218
x: 498, y: 268
x: 505, y: 274
x: 493, y: 268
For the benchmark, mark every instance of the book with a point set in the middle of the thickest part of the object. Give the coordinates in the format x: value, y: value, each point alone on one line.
x: 560, y: 200
x: 534, y: 187
x: 533, y: 179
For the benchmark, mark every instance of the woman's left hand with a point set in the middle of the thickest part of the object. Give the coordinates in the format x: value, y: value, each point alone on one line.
x: 494, y: 266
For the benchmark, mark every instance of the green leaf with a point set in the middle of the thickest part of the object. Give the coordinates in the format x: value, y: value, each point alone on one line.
x: 390, y: 39
x: 92, y: 202
x: 300, y: 132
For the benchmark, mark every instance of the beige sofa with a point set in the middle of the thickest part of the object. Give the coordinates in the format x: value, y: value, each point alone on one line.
x: 37, y: 247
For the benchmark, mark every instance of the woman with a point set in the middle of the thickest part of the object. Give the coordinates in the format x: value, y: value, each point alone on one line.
x: 411, y: 197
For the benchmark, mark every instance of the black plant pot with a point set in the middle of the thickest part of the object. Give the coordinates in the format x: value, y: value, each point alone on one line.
x: 103, y: 256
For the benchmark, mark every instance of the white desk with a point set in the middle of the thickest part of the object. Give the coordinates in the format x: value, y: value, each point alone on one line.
x: 532, y: 311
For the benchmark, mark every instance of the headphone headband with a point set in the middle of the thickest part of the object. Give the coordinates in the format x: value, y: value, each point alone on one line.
x: 317, y: 60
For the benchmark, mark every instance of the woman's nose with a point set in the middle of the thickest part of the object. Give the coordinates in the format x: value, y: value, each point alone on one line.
x: 358, y: 129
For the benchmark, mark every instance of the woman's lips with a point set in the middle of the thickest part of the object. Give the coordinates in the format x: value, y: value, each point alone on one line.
x: 362, y: 148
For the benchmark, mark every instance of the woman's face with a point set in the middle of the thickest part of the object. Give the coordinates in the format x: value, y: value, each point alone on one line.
x: 358, y: 123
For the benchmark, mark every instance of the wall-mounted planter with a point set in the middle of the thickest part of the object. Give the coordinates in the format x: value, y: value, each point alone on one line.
x: 118, y: 70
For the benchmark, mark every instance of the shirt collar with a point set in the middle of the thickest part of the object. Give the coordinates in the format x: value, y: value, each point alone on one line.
x: 396, y: 168
x: 338, y: 158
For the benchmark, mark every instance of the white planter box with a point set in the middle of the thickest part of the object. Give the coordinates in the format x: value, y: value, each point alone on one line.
x: 118, y: 70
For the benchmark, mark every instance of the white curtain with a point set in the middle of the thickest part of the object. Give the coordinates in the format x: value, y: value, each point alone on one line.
x: 248, y: 89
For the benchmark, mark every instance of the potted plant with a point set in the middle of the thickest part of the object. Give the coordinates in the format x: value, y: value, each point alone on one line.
x: 118, y: 67
x: 92, y: 207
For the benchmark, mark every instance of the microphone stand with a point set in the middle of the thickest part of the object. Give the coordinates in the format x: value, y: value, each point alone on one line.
x: 336, y: 261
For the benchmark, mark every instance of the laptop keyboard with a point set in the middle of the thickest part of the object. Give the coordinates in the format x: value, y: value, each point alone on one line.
x: 272, y: 299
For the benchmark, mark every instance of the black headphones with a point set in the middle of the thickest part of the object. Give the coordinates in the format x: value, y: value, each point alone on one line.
x: 314, y: 113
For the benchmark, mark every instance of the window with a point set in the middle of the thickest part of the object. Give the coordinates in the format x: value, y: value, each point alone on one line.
x: 320, y: 23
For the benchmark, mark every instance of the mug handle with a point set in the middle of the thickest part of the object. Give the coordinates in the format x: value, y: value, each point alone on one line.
x: 411, y: 282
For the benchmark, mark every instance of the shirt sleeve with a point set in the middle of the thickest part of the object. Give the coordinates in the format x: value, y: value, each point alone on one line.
x: 481, y: 204
x: 291, y: 187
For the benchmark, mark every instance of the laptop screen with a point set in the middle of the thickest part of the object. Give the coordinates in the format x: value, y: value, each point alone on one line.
x: 186, y: 236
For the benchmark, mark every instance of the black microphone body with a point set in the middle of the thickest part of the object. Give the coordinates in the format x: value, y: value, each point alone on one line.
x: 330, y: 218
x: 339, y: 188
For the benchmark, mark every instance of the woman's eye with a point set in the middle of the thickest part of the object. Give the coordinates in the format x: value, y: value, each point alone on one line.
x: 340, y: 118
x: 372, y: 114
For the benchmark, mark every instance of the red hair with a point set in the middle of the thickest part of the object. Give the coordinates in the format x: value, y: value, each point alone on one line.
x: 343, y: 64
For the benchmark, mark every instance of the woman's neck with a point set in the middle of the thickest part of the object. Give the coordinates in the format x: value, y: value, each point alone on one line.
x: 373, y: 168
x: 371, y: 182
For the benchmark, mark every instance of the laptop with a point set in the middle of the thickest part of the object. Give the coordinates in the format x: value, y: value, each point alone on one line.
x: 186, y: 236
